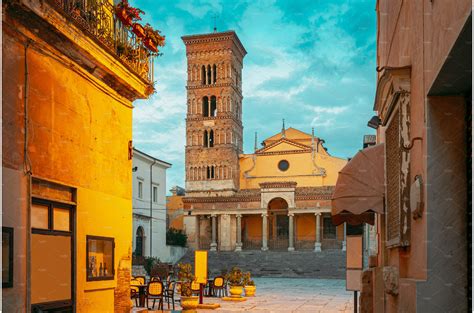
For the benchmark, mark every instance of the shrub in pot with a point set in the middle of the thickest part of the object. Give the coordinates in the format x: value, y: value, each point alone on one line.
x: 189, y: 303
x: 234, y: 277
x: 249, y: 285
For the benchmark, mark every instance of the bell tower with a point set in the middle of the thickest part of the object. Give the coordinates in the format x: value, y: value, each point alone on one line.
x: 214, y: 113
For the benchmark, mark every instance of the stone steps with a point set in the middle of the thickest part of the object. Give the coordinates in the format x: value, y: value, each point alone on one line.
x: 296, y: 264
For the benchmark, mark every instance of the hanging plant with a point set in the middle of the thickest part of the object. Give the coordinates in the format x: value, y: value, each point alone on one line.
x: 127, y: 14
x: 153, y: 38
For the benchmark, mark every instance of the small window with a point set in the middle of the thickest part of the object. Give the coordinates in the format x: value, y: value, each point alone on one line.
x: 140, y: 189
x: 155, y: 194
x: 100, y: 258
x: 40, y: 216
x: 283, y: 165
x: 7, y: 257
x: 61, y: 219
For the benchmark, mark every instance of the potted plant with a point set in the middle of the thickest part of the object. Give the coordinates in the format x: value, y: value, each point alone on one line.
x: 153, y: 38
x: 139, y: 30
x: 249, y: 285
x: 189, y: 303
x: 127, y: 14
x: 234, y: 277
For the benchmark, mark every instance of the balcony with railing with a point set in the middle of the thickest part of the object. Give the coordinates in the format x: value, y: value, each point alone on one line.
x: 100, y: 20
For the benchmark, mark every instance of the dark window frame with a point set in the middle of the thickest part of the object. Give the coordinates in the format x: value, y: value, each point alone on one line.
x: 66, y: 304
x: 92, y: 237
x: 329, y: 234
x: 11, y: 233
x: 283, y: 162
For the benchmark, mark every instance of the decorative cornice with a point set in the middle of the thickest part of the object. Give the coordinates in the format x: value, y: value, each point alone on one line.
x: 213, y: 37
x: 287, y: 184
x: 290, y: 142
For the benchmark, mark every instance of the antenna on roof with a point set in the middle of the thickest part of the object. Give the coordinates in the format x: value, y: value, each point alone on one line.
x: 283, y: 135
x: 255, y: 145
x: 215, y: 21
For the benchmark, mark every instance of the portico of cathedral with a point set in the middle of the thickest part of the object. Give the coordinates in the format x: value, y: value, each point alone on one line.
x: 279, y: 196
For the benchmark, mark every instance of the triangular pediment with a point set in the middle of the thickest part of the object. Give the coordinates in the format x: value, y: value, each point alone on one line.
x: 284, y: 144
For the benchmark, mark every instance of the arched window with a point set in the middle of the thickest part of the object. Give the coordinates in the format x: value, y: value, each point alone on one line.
x: 215, y: 73
x: 205, y: 106
x: 210, y: 172
x: 206, y: 139
x: 211, y: 138
x: 213, y: 106
x: 203, y: 75
x: 209, y: 75
x: 139, y: 241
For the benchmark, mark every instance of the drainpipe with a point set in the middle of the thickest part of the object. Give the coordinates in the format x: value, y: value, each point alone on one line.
x: 151, y: 207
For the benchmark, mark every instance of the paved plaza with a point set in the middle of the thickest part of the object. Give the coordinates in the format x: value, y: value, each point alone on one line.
x: 291, y: 295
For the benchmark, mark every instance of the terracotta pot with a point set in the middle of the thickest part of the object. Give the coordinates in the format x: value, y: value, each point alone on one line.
x: 150, y: 44
x: 139, y: 30
x: 122, y: 14
x: 250, y: 291
x: 189, y: 304
x: 236, y: 291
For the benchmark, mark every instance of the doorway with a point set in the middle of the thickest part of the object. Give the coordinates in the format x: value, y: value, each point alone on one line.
x: 278, y: 224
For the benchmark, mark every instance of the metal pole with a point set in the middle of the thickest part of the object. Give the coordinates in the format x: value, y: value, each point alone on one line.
x: 151, y: 207
x: 355, y: 301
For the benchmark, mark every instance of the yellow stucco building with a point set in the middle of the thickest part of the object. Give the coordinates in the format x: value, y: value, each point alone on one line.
x: 66, y: 166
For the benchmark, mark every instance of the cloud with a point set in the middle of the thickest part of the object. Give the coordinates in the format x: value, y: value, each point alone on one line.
x: 200, y: 8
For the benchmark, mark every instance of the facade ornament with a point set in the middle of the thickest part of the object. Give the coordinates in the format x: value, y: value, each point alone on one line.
x: 283, y: 134
x: 391, y: 280
x: 417, y: 204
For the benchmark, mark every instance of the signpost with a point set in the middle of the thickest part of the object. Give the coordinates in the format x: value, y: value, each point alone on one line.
x: 200, y: 270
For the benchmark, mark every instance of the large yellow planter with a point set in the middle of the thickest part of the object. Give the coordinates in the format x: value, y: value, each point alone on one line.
x: 250, y: 291
x: 236, y: 291
x: 189, y: 304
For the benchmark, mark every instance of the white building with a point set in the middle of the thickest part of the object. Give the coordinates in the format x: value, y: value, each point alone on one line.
x: 149, y: 205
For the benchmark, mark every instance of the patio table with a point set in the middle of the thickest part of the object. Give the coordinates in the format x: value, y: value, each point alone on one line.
x: 141, y: 294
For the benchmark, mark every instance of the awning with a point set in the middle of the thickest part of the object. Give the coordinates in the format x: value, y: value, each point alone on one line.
x: 359, y: 192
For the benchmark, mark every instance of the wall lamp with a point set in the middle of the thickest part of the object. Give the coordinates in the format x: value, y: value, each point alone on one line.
x: 374, y: 122
x: 134, y: 169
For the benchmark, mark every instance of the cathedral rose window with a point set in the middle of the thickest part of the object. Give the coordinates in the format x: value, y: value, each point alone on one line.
x: 283, y: 165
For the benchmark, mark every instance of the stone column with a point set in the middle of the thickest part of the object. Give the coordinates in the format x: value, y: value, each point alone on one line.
x: 317, y: 244
x: 344, y: 242
x: 214, y: 231
x: 238, y: 244
x: 264, y: 231
x: 291, y: 233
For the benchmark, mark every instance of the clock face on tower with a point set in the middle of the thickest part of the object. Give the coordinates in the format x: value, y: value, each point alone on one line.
x: 214, y: 112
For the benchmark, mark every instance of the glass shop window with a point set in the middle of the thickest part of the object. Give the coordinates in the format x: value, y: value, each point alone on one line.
x: 100, y: 258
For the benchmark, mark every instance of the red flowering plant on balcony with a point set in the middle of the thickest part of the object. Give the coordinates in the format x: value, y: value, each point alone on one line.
x: 127, y: 14
x: 153, y: 38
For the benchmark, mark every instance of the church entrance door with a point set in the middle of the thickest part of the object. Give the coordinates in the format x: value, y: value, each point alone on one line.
x: 278, y: 224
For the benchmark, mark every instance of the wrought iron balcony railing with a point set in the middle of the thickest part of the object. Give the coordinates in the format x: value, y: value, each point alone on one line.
x: 97, y: 18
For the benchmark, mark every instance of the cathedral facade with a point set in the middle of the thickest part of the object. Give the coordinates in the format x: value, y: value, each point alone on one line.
x: 278, y: 197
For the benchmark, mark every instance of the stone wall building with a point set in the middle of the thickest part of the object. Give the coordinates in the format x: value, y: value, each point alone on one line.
x: 275, y: 198
x: 423, y: 104
x: 66, y: 155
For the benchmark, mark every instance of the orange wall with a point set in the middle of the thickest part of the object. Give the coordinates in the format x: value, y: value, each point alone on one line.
x: 174, y: 211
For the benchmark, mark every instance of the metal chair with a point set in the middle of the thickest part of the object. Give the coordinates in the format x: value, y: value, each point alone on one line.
x: 155, y: 291
x: 134, y: 291
x: 219, y: 287
x: 155, y: 278
x: 169, y: 293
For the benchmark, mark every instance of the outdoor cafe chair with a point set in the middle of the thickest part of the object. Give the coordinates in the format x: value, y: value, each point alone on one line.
x: 155, y: 278
x: 155, y: 292
x: 169, y: 293
x: 134, y: 291
x: 219, y: 287
x: 195, y: 287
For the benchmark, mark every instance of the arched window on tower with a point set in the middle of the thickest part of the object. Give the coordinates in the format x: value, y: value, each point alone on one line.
x: 205, y: 140
x: 214, y: 68
x: 211, y: 139
x: 209, y: 74
x: 203, y: 74
x: 213, y: 106
x: 205, y: 106
x: 210, y: 172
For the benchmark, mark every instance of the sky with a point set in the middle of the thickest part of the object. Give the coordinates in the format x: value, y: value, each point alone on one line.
x: 310, y: 62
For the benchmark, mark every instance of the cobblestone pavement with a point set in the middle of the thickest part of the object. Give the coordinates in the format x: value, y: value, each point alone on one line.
x: 291, y: 295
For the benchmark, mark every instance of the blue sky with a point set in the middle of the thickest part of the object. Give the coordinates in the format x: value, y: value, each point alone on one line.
x: 311, y: 62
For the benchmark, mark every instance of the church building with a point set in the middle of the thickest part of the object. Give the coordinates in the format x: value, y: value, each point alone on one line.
x: 279, y: 196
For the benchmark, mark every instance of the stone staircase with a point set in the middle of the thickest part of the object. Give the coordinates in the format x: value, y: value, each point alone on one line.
x: 296, y: 264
